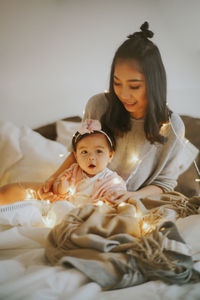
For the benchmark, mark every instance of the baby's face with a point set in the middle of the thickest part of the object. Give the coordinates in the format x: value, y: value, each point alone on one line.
x: 93, y: 154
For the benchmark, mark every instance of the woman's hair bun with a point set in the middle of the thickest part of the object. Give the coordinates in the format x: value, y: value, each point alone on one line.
x: 145, y: 32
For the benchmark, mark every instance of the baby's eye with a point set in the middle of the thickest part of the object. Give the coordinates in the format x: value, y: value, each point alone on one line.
x: 84, y: 152
x: 99, y: 151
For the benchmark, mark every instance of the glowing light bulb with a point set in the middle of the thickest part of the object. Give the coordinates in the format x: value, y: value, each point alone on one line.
x: 145, y: 226
x: 71, y: 191
x: 30, y: 194
x: 122, y: 204
x: 116, y: 180
x: 186, y: 141
x: 197, y: 179
x: 164, y: 125
x: 163, y: 128
x: 135, y: 158
x: 61, y: 154
x: 99, y: 203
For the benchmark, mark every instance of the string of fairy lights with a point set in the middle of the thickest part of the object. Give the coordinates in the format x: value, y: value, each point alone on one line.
x: 136, y: 160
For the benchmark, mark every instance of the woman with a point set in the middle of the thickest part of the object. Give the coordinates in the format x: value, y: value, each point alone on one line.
x: 148, y: 135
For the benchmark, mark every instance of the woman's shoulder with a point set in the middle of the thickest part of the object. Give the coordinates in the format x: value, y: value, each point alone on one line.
x: 98, y: 99
x: 177, y: 124
x: 176, y: 120
x: 96, y: 106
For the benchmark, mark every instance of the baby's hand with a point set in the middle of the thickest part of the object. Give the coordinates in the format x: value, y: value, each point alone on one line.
x: 41, y: 195
x: 60, y: 187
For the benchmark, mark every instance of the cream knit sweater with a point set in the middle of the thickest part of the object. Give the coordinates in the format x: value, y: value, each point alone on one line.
x: 140, y: 163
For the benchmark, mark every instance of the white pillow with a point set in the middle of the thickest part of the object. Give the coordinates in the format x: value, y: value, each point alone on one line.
x: 41, y: 157
x: 65, y: 131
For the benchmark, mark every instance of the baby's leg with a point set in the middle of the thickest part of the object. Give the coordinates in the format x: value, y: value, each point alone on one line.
x: 14, y: 192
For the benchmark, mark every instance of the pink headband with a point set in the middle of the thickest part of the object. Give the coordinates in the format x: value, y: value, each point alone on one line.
x: 90, y: 126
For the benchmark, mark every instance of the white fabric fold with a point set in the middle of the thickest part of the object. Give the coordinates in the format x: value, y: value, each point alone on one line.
x: 175, y: 246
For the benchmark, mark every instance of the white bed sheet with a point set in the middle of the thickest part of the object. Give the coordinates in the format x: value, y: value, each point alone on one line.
x: 25, y: 273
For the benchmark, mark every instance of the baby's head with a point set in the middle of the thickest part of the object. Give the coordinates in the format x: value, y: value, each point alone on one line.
x: 93, y: 147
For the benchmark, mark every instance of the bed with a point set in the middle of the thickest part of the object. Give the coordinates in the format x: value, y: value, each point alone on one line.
x: 25, y: 273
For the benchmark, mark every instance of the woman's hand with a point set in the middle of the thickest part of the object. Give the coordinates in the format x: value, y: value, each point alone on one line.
x: 128, y: 196
x: 47, y: 186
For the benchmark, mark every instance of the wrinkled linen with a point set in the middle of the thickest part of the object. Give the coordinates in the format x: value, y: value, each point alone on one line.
x: 107, y: 245
x: 26, y: 156
x: 25, y: 273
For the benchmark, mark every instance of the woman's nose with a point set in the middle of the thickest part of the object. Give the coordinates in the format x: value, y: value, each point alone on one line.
x: 124, y: 93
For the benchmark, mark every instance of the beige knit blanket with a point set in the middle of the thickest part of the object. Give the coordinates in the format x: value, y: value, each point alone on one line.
x: 112, y: 246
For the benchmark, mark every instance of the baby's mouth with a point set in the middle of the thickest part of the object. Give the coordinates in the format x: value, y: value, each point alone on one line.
x: 91, y: 166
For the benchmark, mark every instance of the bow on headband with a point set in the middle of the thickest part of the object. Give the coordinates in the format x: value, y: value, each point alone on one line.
x: 88, y: 126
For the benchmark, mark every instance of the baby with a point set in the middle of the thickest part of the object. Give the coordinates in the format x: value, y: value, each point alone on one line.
x: 86, y: 181
x: 89, y: 180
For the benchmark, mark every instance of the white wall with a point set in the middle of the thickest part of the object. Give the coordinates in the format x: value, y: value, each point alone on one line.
x: 55, y: 54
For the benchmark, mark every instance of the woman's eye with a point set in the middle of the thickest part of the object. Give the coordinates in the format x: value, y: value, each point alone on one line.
x: 134, y: 87
x: 116, y: 83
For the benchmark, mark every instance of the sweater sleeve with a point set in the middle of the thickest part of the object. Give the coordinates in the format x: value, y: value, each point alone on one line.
x: 167, y: 177
x: 179, y: 156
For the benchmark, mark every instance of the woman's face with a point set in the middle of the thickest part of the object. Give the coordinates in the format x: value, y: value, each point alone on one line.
x: 130, y: 87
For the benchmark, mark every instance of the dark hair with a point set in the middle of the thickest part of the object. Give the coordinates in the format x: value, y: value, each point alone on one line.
x: 78, y: 137
x: 138, y: 47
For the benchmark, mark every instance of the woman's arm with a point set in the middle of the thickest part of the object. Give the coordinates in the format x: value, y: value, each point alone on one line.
x: 147, y: 191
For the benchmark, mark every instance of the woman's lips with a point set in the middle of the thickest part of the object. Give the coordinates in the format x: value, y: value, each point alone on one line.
x: 129, y: 104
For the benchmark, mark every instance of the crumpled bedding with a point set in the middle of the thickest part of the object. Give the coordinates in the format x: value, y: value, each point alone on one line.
x: 26, y: 274
x: 112, y: 242
x: 27, y: 156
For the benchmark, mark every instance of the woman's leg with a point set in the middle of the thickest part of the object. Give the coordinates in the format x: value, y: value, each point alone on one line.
x: 14, y: 192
